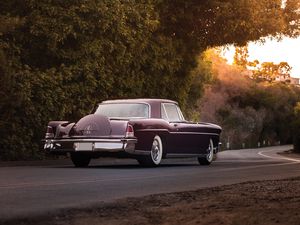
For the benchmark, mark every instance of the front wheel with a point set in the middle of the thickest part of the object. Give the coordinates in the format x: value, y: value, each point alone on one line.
x: 207, y: 160
x: 156, y: 153
x: 80, y: 159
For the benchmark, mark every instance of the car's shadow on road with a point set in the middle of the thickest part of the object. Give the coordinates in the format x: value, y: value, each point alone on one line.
x: 127, y: 166
x: 141, y: 167
x: 164, y: 165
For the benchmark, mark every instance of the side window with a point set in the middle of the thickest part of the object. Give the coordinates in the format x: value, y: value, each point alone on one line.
x: 171, y: 112
x: 163, y: 112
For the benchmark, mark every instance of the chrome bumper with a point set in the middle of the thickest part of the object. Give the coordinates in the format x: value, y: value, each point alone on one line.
x: 90, y: 145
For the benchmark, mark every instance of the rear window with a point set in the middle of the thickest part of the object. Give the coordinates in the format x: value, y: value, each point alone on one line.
x: 124, y: 110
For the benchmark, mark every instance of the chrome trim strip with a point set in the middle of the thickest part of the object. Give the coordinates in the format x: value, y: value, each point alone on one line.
x: 93, y: 140
x: 177, y: 155
x: 140, y: 152
x: 200, y: 133
x: 90, y: 145
x: 150, y: 129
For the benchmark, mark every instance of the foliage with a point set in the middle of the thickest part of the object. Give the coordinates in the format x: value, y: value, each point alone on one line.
x: 241, y: 56
x: 249, y: 112
x: 296, y: 130
x: 265, y: 71
x: 66, y: 57
x: 210, y: 23
x: 59, y: 58
x: 270, y: 71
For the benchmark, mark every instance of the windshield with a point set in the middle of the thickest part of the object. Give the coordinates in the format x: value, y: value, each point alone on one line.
x: 124, y: 110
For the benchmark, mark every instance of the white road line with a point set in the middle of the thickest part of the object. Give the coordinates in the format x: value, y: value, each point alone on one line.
x: 258, y: 166
x: 262, y: 153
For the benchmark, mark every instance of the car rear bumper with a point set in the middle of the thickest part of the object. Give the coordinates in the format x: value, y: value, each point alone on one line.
x: 97, y: 145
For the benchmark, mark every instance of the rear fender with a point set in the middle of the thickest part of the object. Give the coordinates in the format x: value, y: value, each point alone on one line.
x: 147, y: 129
x: 63, y: 129
x: 54, y: 124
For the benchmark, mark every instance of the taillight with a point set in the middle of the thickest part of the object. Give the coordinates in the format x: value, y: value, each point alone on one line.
x: 129, y: 131
x: 49, y: 132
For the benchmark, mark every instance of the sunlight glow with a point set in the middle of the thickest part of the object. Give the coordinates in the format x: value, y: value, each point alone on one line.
x: 287, y: 50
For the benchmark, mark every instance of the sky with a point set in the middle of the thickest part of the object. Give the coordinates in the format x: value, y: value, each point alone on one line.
x: 287, y: 50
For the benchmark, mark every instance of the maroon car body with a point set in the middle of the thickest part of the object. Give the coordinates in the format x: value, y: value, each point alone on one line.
x: 145, y: 129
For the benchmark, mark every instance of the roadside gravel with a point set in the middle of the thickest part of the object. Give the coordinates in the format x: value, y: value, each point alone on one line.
x: 259, y: 203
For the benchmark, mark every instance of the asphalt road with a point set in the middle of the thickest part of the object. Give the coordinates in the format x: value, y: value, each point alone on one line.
x: 32, y: 190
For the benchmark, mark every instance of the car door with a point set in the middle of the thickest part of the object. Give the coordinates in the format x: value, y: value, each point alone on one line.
x: 184, y: 137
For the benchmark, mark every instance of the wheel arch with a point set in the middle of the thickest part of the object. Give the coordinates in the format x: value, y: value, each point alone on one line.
x: 215, y: 139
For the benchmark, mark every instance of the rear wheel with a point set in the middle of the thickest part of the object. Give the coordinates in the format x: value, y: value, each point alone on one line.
x: 156, y: 153
x: 207, y: 160
x: 80, y: 159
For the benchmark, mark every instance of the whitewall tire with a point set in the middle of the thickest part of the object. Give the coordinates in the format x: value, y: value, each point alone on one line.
x: 156, y: 153
x: 207, y: 160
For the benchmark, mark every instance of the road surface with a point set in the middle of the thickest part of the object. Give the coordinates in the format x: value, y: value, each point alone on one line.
x: 32, y: 190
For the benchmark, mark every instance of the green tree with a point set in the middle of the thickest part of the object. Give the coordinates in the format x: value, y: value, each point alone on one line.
x: 65, y: 57
x: 61, y: 57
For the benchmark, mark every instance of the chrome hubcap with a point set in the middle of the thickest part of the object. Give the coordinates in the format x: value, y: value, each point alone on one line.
x: 155, y: 151
x: 210, y: 151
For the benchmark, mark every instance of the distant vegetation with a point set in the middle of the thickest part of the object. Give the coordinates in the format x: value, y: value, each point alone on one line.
x: 251, y: 113
x: 59, y: 58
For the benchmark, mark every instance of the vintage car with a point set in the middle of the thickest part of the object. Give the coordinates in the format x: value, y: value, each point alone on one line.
x: 147, y: 130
